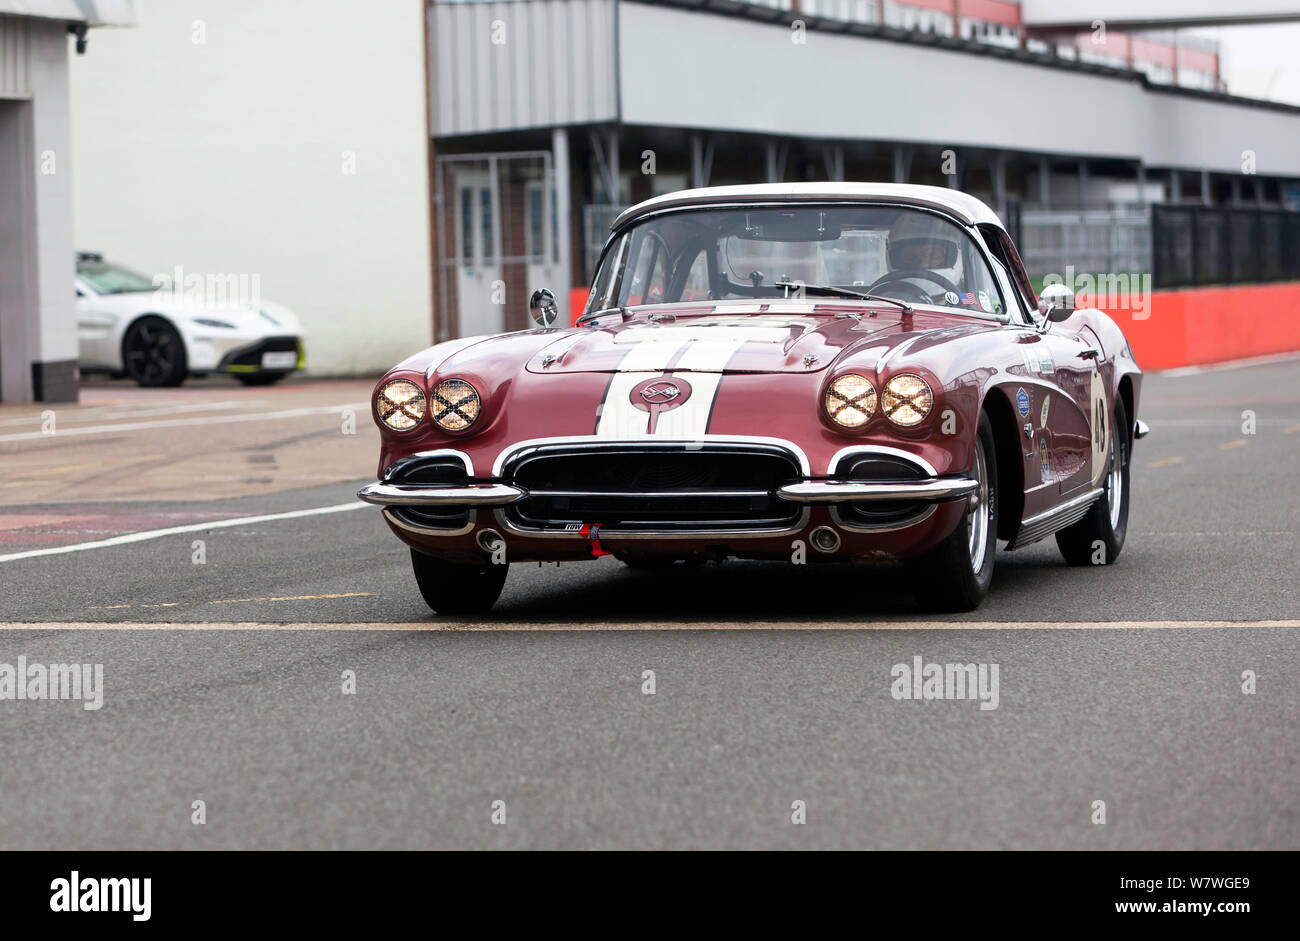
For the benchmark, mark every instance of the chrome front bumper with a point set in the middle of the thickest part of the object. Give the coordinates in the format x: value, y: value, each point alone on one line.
x: 927, y: 490
x: 382, y: 494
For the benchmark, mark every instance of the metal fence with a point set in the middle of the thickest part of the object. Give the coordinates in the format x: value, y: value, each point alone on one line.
x: 1110, y: 239
x: 596, y: 220
x: 1196, y: 245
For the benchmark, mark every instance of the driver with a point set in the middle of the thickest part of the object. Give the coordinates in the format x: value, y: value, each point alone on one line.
x: 919, y: 245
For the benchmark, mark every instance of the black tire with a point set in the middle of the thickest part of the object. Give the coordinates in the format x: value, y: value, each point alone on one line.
x: 1098, y: 538
x: 259, y: 378
x: 948, y: 578
x: 455, y: 588
x: 153, y: 353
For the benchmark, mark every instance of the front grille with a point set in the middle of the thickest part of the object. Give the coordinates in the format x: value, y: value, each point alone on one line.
x: 658, y: 488
x: 879, y: 467
x: 252, y: 355
x: 417, y: 471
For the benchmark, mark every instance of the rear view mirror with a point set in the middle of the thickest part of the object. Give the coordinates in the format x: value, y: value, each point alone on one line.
x: 1056, y: 302
x: 542, y: 309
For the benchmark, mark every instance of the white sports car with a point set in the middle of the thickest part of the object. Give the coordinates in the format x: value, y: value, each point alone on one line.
x: 128, y: 326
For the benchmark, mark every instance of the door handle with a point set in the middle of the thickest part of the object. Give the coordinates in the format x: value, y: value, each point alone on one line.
x: 1090, y: 353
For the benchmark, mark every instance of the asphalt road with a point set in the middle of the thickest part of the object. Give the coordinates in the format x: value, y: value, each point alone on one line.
x: 223, y: 680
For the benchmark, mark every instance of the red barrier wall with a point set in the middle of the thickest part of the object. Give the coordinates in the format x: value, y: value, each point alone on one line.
x: 1213, y: 325
x: 1189, y: 327
x: 577, y: 302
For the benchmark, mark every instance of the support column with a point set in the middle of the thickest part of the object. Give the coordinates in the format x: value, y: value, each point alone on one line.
x: 701, y: 160
x: 1175, y: 187
x: 564, y: 209
x: 834, y: 157
x: 1205, y: 187
x: 998, y: 171
x: 902, y: 162
x: 1044, y: 182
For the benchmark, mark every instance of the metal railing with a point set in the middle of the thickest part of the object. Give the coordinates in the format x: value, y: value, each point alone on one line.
x: 1198, y: 245
x: 1107, y: 239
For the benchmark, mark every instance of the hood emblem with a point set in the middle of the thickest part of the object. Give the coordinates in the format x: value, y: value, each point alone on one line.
x: 658, y: 395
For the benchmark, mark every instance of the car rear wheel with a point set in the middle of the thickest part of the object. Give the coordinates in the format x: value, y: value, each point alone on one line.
x: 1098, y: 538
x: 153, y: 353
x: 457, y: 588
x: 955, y: 575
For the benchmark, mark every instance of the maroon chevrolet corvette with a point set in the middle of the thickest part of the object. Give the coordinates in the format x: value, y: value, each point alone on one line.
x: 806, y: 372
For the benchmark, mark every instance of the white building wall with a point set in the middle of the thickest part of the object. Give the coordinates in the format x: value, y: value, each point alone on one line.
x: 220, y: 136
x: 55, y: 267
x: 37, y: 324
x: 732, y: 74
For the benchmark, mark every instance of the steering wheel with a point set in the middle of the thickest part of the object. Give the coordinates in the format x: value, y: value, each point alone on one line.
x: 904, y: 278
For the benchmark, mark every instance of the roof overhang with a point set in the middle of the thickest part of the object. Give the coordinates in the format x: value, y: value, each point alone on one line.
x: 90, y: 12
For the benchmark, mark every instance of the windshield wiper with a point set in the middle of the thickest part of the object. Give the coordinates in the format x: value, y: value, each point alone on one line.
x: 830, y: 290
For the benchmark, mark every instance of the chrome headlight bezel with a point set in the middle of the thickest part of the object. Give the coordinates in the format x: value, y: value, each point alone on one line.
x: 904, y: 403
x: 452, y: 408
x: 406, y: 404
x: 857, y: 405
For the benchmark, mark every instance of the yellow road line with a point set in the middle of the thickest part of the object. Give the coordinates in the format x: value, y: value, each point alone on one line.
x: 1291, y: 428
x: 173, y: 604
x: 341, y: 594
x: 1167, y: 462
x: 505, y: 626
x: 1239, y: 443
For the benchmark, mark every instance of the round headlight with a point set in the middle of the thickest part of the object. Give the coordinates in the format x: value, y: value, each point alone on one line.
x: 850, y: 401
x: 907, y: 399
x: 400, y: 404
x: 455, y: 404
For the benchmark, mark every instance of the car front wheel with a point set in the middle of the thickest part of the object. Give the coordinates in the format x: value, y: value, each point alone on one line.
x: 153, y: 353
x: 955, y: 575
x: 457, y: 588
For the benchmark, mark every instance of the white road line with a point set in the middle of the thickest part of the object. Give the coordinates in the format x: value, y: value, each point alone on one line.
x: 1227, y: 364
x: 175, y: 530
x: 635, y: 626
x: 89, y: 413
x: 179, y: 422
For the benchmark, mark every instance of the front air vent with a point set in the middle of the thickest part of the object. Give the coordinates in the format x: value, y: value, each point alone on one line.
x: 426, y: 471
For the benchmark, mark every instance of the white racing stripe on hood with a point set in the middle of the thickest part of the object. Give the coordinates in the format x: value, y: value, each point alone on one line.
x: 701, y: 364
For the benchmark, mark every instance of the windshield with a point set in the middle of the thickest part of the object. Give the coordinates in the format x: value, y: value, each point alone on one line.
x: 106, y: 278
x: 907, y: 255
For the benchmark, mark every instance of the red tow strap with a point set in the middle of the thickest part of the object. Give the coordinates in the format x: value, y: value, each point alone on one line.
x: 591, y: 532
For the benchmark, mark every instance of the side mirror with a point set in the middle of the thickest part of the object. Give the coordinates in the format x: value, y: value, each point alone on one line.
x: 1056, y: 302
x: 541, y: 307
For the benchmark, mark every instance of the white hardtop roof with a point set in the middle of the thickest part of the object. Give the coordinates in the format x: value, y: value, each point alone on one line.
x: 961, y: 206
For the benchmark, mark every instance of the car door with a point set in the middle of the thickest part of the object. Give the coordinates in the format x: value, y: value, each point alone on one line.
x: 1054, y: 401
x: 94, y: 330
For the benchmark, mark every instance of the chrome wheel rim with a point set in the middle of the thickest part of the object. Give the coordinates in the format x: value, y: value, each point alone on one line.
x: 977, y: 512
x: 1114, y: 480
